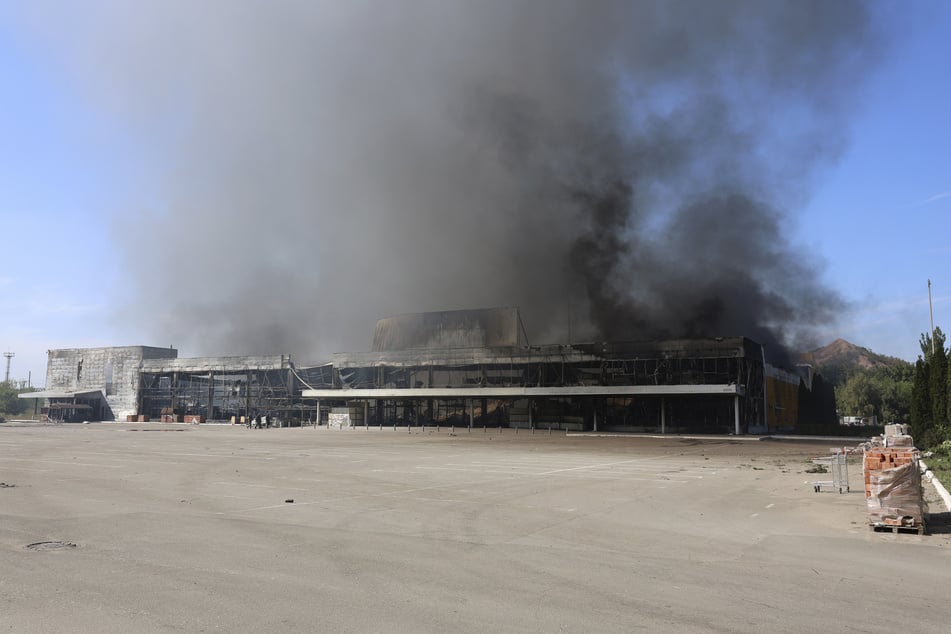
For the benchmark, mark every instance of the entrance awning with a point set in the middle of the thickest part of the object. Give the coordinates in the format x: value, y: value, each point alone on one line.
x: 63, y: 393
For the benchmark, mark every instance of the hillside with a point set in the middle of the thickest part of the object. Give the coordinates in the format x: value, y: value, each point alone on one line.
x: 841, y: 358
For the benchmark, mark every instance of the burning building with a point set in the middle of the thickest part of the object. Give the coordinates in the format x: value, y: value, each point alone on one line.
x: 463, y: 368
x: 474, y: 368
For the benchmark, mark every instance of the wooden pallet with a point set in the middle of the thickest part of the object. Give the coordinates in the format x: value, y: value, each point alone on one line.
x: 882, y: 528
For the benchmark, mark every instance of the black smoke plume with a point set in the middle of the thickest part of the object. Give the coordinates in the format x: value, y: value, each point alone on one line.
x: 626, y: 169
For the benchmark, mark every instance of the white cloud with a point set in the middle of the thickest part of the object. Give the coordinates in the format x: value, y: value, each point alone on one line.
x: 930, y: 200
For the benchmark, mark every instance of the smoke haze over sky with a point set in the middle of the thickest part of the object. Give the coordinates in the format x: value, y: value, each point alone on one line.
x: 293, y: 171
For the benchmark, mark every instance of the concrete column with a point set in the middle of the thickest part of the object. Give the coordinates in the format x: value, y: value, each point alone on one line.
x: 530, y: 420
x: 736, y: 414
x: 471, y: 413
x: 596, y: 415
x: 139, y: 396
x: 174, y: 392
x: 247, y: 393
x: 663, y: 415
x: 211, y: 395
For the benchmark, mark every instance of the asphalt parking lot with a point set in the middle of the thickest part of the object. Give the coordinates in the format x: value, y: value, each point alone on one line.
x: 154, y: 528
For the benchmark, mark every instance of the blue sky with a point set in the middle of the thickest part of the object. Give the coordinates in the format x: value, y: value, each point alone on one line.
x: 878, y: 219
x: 55, y: 177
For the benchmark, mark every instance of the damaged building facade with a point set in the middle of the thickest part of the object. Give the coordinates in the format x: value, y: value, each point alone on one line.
x: 95, y: 383
x: 470, y: 368
x: 474, y: 368
x: 146, y: 383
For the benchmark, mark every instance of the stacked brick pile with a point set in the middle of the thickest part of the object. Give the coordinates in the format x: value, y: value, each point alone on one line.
x: 893, y: 486
x: 169, y: 416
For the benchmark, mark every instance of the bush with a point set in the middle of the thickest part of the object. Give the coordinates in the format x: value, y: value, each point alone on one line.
x: 943, y: 450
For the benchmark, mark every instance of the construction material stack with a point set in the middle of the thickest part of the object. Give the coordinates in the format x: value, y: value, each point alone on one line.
x: 893, y: 482
x: 169, y: 416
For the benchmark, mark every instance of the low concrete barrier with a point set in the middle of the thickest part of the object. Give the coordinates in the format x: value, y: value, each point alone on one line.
x: 943, y: 492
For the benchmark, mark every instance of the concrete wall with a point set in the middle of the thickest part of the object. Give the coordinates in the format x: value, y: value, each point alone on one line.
x: 115, y: 371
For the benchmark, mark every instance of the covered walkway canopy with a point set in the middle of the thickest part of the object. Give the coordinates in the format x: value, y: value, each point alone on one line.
x: 70, y: 405
x: 59, y: 394
x: 474, y: 395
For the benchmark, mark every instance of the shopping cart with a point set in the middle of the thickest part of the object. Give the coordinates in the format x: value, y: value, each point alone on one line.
x: 838, y: 467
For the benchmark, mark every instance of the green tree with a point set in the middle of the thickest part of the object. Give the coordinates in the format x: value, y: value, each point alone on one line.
x: 896, y: 402
x: 883, y: 392
x: 938, y: 380
x: 948, y: 393
x: 925, y: 342
x: 859, y: 396
x: 930, y: 400
x: 10, y: 403
x: 922, y: 424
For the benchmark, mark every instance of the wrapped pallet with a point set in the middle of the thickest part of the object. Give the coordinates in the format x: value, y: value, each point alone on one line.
x: 895, y: 496
x: 901, y: 440
x: 896, y: 430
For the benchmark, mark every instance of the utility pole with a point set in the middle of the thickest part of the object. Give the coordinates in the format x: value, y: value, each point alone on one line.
x: 9, y: 356
x: 930, y: 312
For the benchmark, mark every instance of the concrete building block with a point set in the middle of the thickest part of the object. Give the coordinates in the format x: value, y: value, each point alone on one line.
x: 115, y: 371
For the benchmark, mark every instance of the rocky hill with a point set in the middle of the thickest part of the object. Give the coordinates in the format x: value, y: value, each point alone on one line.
x: 841, y: 358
